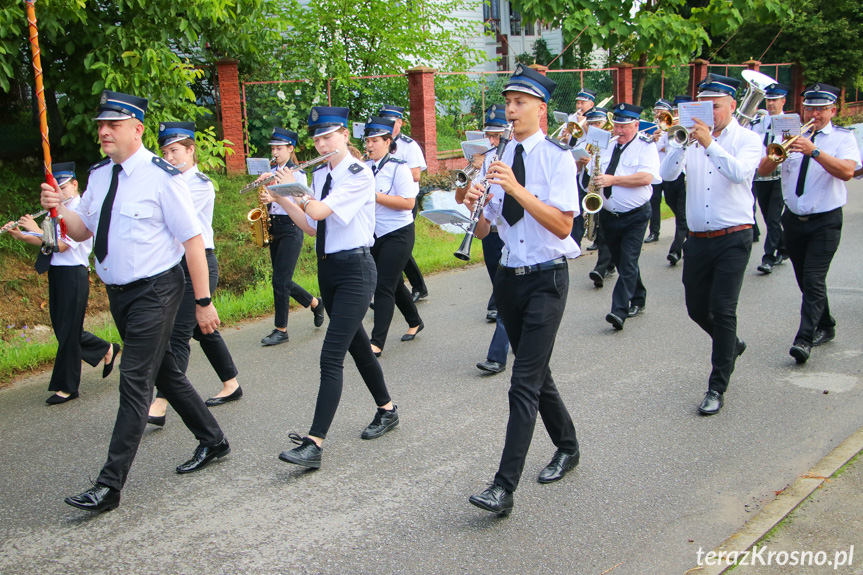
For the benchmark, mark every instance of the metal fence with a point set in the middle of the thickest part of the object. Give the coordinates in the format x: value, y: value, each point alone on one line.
x: 571, y: 82
x: 460, y: 101
x: 658, y: 84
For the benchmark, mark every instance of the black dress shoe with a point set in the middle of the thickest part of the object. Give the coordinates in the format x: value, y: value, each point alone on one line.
x: 412, y: 336
x: 779, y: 259
x: 673, y: 258
x: 822, y: 336
x: 98, y: 498
x: 278, y: 336
x: 319, y: 313
x: 800, y: 351
x: 204, y: 455
x: 651, y: 237
x: 491, y: 316
x: 634, y: 310
x: 418, y: 295
x: 383, y: 422
x: 560, y: 464
x: 597, y: 278
x: 609, y: 272
x: 738, y: 351
x: 109, y: 367
x: 765, y: 267
x: 711, y: 404
x: 371, y: 305
x: 58, y: 399
x: 592, y: 247
x: 495, y: 499
x: 157, y: 421
x: 616, y: 322
x: 491, y: 366
x: 308, y: 454
x: 214, y: 401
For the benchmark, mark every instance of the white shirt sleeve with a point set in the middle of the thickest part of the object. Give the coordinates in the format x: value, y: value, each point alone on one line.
x: 403, y: 183
x: 740, y: 167
x: 673, y: 164
x: 179, y: 213
x: 562, y: 195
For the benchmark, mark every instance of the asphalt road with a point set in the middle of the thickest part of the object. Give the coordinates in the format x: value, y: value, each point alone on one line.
x: 656, y: 481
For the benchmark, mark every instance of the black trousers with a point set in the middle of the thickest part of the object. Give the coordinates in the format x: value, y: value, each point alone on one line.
x: 603, y: 254
x: 531, y: 307
x: 186, y: 327
x: 811, y: 246
x: 577, y: 232
x: 492, y: 247
x: 144, y: 316
x: 769, y: 194
x: 68, y: 292
x: 391, y: 253
x: 712, y: 277
x: 347, y: 282
x: 655, y: 208
x: 675, y: 197
x: 624, y: 235
x: 285, y: 247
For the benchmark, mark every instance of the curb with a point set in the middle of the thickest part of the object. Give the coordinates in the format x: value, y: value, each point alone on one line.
x: 786, y: 502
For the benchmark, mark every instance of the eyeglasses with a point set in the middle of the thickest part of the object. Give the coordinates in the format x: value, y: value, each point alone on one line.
x: 814, y: 109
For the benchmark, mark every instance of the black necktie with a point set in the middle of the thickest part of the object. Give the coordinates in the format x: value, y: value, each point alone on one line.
x: 612, y: 165
x: 101, y: 248
x: 512, y: 210
x: 374, y: 169
x: 321, y: 235
x: 804, y: 166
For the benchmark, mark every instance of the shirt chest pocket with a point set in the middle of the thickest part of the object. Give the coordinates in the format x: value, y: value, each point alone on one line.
x: 135, y: 219
x: 627, y: 167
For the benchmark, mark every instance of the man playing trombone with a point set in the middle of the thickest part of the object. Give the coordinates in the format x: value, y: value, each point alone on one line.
x: 813, y: 186
x: 628, y: 168
x: 720, y: 163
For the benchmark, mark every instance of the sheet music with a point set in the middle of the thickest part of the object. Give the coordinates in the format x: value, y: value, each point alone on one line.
x: 475, y: 147
x: 597, y: 137
x: 702, y: 110
x: 560, y: 117
x: 359, y: 129
x: 474, y: 135
x: 294, y: 189
x: 785, y: 125
x: 258, y: 166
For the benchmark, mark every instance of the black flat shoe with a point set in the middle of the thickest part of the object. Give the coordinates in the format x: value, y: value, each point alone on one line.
x: 616, y: 322
x: 278, y: 336
x: 597, y: 278
x: 412, y: 336
x: 97, y: 498
x: 383, y: 422
x: 491, y: 316
x: 711, y: 404
x: 800, y: 351
x: 377, y: 353
x: 418, y: 295
x: 495, y: 499
x: 634, y: 310
x: 57, y: 399
x: 204, y: 455
x: 319, y: 313
x: 822, y: 336
x: 651, y: 237
x: 308, y: 454
x: 560, y: 464
x: 109, y: 367
x: 765, y: 267
x: 673, y: 258
x: 214, y: 401
x: 157, y: 421
x: 491, y: 366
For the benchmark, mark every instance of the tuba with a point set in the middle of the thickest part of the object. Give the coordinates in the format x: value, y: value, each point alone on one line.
x: 755, y: 91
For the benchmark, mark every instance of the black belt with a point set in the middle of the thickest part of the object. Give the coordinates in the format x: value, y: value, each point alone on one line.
x: 810, y: 216
x: 279, y: 215
x: 555, y: 264
x: 633, y: 210
x: 140, y: 282
x: 345, y: 254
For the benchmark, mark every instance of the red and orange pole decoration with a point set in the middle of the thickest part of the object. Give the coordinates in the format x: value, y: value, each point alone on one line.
x: 49, y: 242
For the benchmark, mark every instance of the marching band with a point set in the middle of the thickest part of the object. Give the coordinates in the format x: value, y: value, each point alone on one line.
x: 360, y: 214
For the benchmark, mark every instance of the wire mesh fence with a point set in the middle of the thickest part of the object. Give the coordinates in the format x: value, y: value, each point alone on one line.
x: 656, y: 83
x: 460, y: 101
x: 571, y: 82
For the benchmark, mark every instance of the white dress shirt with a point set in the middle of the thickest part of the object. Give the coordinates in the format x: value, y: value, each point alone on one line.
x: 78, y: 253
x: 549, y: 175
x: 204, y: 199
x: 275, y: 209
x: 718, y: 179
x: 639, y: 156
x: 821, y: 192
x: 410, y: 152
x: 662, y: 145
x: 352, y: 199
x: 763, y: 126
x: 393, y: 178
x: 151, y: 217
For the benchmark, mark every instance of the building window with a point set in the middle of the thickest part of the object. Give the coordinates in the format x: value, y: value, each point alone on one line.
x: 491, y: 15
x: 529, y: 29
x: 515, y: 23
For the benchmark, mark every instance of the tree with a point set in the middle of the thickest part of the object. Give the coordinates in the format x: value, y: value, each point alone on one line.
x: 153, y: 49
x: 822, y: 36
x: 653, y: 32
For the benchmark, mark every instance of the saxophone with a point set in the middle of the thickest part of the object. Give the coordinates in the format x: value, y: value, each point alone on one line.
x: 260, y: 221
x: 592, y: 202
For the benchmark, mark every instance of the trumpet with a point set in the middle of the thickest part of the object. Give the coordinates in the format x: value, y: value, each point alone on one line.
x: 463, y: 252
x: 464, y: 176
x: 779, y: 152
x: 38, y: 214
x: 679, y: 137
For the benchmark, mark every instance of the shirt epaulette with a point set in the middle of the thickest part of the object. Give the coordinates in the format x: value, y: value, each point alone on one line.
x: 841, y: 129
x: 355, y: 168
x: 160, y: 162
x: 405, y: 138
x: 558, y: 143
x: 99, y: 164
x: 396, y: 160
x: 755, y: 122
x: 203, y: 176
x: 320, y: 167
x: 645, y: 137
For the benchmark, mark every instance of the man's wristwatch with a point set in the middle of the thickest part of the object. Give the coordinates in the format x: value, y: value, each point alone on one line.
x: 815, y: 153
x: 204, y: 301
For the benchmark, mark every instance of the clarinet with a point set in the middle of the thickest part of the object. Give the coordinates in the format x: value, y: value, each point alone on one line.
x: 463, y: 252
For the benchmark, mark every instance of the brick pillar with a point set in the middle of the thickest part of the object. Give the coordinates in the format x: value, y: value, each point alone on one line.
x: 423, y: 116
x: 232, y: 114
x: 794, y: 103
x: 697, y: 73
x: 622, y: 88
x: 752, y: 65
x: 543, y: 122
